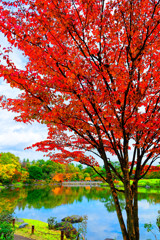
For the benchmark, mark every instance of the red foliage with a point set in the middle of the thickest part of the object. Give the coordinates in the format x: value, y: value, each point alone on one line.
x: 151, y: 169
x: 92, y: 75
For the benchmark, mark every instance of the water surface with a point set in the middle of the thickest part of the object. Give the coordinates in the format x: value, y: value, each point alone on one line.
x: 43, y: 202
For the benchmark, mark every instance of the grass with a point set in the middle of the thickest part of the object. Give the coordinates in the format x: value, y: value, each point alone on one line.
x: 149, y: 182
x: 154, y: 183
x: 41, y: 231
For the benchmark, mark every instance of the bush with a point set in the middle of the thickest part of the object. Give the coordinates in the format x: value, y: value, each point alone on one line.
x: 51, y: 222
x: 6, y: 216
x: 6, y: 231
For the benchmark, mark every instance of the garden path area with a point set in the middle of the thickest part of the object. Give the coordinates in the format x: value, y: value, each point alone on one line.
x: 18, y: 237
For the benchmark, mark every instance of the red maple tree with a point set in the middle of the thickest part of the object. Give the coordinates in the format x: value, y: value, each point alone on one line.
x: 93, y: 77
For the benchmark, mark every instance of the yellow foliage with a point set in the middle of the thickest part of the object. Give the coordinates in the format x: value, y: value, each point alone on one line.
x: 7, y: 171
x: 24, y: 176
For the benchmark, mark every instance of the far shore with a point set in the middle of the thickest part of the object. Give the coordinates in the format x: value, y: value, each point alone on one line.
x: 146, y: 183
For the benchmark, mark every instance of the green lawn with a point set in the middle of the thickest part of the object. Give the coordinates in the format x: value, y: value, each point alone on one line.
x: 142, y: 183
x: 149, y: 182
x: 41, y: 230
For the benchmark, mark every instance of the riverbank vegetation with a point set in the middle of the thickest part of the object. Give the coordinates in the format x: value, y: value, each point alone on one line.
x: 41, y: 230
x: 33, y: 229
x: 154, y: 183
x: 15, y: 172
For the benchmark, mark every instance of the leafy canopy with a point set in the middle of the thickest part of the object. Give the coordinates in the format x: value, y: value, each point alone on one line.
x: 92, y: 76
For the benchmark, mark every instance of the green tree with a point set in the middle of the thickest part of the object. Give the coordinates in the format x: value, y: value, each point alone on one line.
x: 35, y: 172
x: 25, y: 163
x: 80, y: 166
x: 40, y: 162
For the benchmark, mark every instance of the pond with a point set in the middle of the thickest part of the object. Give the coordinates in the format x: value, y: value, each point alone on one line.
x: 43, y: 202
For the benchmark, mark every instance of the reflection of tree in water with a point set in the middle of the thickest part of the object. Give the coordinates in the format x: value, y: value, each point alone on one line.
x: 152, y: 196
x: 51, y: 198
x: 42, y: 196
x: 109, y: 202
x: 9, y: 198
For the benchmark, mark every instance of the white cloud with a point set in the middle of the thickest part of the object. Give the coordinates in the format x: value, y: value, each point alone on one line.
x: 15, y: 136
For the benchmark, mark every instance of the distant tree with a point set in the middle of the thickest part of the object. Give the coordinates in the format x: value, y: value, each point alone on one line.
x: 71, y: 168
x: 9, y: 158
x: 77, y: 176
x: 80, y: 166
x: 24, y: 175
x: 35, y: 172
x: 152, y: 173
x: 25, y: 163
x: 91, y: 171
x: 87, y: 179
x: 86, y: 175
x: 40, y: 162
x: 10, y: 168
x: 58, y: 167
x: 59, y: 177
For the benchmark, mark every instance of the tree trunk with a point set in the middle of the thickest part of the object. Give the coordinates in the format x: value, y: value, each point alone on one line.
x: 129, y: 212
x: 116, y: 202
x: 135, y: 211
x: 132, y: 231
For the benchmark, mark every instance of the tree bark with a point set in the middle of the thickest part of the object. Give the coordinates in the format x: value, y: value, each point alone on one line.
x: 135, y: 211
x: 132, y: 230
x: 116, y: 202
x: 129, y: 209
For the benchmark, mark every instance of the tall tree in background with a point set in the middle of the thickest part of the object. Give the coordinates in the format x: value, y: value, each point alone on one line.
x: 93, y: 77
x: 10, y: 167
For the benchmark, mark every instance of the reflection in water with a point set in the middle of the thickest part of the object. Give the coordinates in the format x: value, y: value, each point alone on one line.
x: 42, y: 202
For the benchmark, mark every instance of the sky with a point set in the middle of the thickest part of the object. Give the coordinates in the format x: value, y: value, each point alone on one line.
x: 15, y: 136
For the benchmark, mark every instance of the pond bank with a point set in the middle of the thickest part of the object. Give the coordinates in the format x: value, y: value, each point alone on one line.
x: 41, y: 231
x: 145, y: 183
x: 82, y: 184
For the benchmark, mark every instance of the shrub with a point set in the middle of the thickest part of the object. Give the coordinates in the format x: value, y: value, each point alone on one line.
x: 51, y: 222
x: 6, y: 231
x: 6, y: 216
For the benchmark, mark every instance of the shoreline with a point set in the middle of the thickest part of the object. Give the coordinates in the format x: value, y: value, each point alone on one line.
x: 144, y: 183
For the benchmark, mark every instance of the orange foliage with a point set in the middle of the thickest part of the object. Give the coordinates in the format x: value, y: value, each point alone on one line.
x: 59, y: 177
x: 116, y: 181
x: 57, y: 190
x: 87, y: 179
